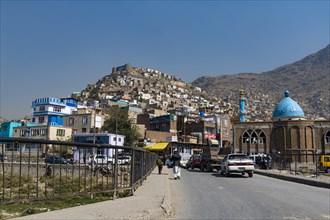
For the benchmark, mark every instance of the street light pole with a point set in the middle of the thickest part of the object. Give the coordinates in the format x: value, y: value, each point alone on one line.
x: 94, y: 141
x: 220, y: 131
x: 94, y: 129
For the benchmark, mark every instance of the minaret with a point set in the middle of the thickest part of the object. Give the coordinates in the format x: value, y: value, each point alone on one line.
x: 241, y: 106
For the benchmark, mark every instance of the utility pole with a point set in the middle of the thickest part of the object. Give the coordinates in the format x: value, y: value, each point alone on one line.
x: 94, y: 141
x: 94, y: 129
x: 220, y: 131
x: 116, y: 161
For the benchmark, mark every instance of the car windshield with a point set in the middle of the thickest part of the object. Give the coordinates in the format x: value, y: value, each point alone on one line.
x: 238, y: 156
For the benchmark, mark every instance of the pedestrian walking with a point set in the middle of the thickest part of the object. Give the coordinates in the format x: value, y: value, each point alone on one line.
x: 176, y: 159
x: 160, y: 164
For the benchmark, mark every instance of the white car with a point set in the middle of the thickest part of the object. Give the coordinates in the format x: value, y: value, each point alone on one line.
x: 237, y: 163
x: 123, y: 159
x: 100, y: 159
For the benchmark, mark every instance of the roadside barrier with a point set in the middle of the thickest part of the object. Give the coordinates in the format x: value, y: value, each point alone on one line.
x: 36, y: 169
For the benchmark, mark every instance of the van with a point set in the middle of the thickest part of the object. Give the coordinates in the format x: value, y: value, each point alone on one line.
x: 324, y: 162
x: 263, y: 161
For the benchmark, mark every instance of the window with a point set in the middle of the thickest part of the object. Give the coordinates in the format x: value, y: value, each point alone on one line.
x: 254, y: 138
x: 262, y: 139
x: 83, y: 130
x: 57, y: 109
x: 327, y: 138
x: 71, y: 121
x: 41, y: 119
x: 114, y: 139
x: 42, y: 108
x: 119, y: 139
x: 33, y: 120
x: 43, y: 132
x: 225, y: 122
x: 84, y: 120
x: 35, y: 132
x: 226, y: 133
x: 246, y: 138
x: 60, y: 132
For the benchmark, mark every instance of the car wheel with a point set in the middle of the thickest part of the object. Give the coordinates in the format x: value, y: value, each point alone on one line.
x: 209, y: 167
x: 221, y: 172
x: 202, y: 166
x: 250, y: 174
x: 226, y: 173
x: 192, y: 166
x: 327, y: 170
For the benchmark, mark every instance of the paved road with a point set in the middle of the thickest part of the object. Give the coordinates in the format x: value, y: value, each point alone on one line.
x: 199, y: 195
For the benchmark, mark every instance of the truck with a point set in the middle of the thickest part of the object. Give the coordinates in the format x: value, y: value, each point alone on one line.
x: 210, y: 158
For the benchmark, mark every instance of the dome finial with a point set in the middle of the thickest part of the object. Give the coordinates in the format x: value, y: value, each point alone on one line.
x: 287, y: 93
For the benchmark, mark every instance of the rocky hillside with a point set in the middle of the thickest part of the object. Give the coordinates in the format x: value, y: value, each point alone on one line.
x: 143, y: 87
x: 308, y: 81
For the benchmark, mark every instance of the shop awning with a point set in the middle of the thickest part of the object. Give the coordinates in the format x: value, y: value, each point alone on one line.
x: 157, y: 147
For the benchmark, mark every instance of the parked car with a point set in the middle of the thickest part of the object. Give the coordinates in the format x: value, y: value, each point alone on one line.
x: 261, y: 161
x: 324, y: 163
x: 3, y: 157
x: 56, y: 160
x: 237, y: 163
x: 194, y: 162
x: 124, y: 159
x: 99, y: 159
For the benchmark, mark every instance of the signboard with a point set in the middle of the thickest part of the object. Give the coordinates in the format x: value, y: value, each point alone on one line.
x: 172, y: 139
x: 210, y: 136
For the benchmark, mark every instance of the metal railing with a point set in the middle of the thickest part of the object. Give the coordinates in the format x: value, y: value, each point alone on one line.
x: 302, y: 163
x: 43, y: 169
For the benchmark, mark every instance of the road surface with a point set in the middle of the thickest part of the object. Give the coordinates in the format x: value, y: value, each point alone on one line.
x: 203, y: 195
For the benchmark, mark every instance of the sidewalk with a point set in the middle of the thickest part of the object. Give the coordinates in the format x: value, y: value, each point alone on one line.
x: 321, y: 181
x: 150, y: 201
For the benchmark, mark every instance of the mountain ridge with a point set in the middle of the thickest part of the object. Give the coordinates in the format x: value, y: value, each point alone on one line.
x: 307, y: 79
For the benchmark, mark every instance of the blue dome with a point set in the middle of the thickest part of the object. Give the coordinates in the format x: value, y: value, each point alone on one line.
x: 288, y: 108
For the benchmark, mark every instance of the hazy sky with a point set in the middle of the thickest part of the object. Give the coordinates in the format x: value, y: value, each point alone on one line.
x: 54, y: 48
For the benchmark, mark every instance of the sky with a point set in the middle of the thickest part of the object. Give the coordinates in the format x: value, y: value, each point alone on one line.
x: 54, y: 48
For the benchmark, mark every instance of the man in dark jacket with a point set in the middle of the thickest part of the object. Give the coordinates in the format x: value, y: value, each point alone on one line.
x: 176, y: 158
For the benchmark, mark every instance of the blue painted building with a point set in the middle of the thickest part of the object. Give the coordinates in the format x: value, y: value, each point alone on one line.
x: 6, y: 128
x: 50, y: 111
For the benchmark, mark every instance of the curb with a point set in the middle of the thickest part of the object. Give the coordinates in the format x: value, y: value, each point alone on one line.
x: 166, y: 202
x: 297, y: 179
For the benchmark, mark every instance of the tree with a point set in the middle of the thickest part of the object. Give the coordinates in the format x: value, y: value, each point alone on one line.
x: 119, y: 123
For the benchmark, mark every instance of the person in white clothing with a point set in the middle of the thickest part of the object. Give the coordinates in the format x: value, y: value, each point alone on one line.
x: 176, y: 159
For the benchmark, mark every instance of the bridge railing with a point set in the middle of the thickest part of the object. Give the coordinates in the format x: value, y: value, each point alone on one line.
x: 306, y: 164
x: 34, y: 169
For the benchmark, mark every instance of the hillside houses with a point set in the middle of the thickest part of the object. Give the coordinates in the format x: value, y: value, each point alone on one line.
x: 146, y: 91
